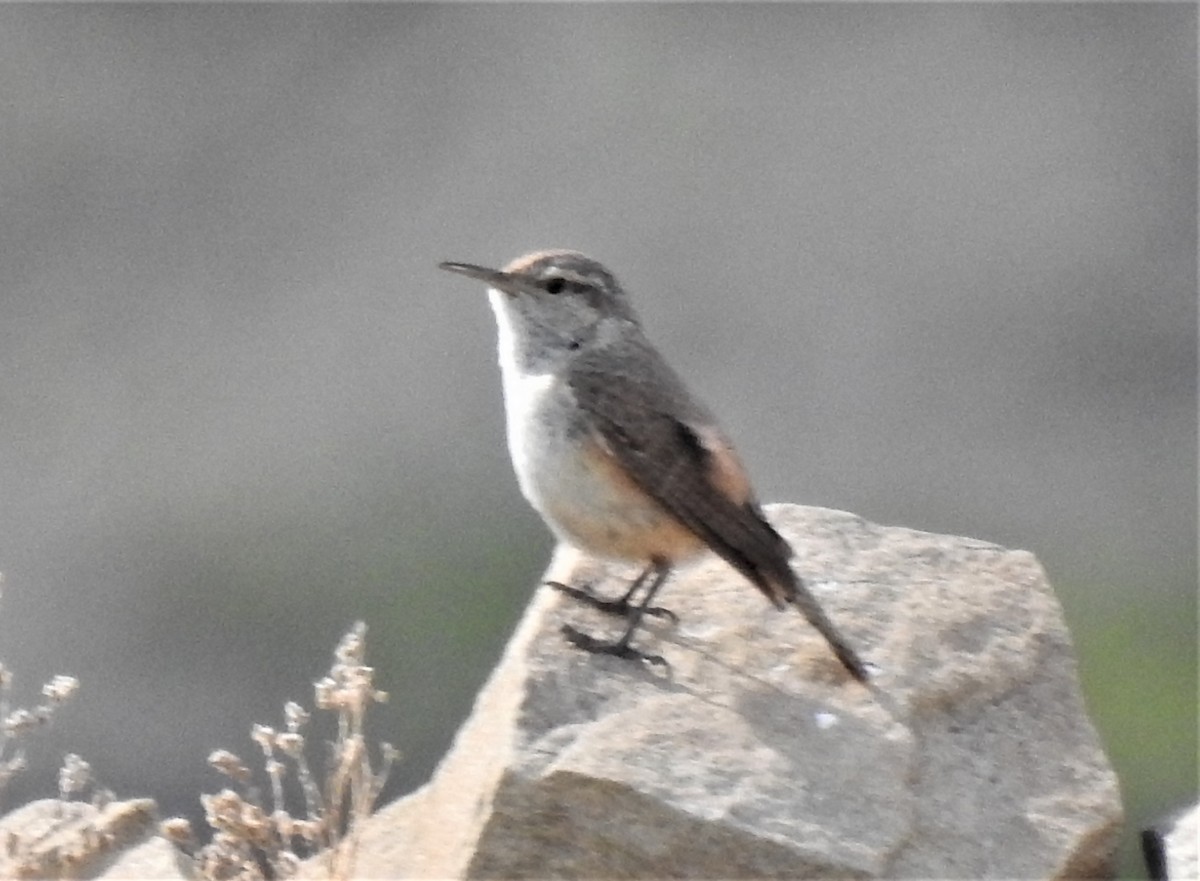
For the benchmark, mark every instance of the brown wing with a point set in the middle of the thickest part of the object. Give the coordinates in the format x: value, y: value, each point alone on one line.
x: 671, y: 447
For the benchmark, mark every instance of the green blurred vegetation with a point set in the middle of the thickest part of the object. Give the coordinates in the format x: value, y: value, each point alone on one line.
x: 1137, y: 650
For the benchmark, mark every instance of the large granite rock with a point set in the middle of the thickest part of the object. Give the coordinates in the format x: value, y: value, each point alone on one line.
x: 754, y: 755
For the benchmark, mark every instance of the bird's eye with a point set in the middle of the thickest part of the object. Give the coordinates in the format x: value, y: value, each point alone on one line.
x: 555, y: 285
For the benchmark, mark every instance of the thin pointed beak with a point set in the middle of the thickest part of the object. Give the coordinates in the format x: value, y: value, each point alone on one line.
x: 494, y: 278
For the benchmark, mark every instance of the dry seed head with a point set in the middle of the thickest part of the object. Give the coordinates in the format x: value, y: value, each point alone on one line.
x: 74, y: 776
x: 225, y: 802
x: 264, y: 736
x: 291, y: 743
x: 60, y: 688
x: 178, y: 831
x: 323, y: 690
x: 11, y: 766
x: 353, y: 645
x: 229, y: 765
x: 359, y: 677
x: 226, y: 859
x: 20, y: 721
x: 229, y: 812
x: 295, y: 716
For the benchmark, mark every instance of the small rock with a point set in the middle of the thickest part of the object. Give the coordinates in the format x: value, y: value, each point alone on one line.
x: 61, y: 839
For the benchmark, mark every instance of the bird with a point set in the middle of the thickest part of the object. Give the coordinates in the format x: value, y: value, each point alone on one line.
x: 614, y: 452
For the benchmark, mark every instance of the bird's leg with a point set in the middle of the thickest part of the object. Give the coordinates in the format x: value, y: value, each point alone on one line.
x: 623, y: 647
x: 623, y: 605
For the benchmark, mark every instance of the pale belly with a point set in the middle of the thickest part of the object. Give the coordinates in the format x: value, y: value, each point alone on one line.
x: 577, y: 487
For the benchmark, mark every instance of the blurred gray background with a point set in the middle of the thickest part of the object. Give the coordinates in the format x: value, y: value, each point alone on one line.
x: 935, y: 265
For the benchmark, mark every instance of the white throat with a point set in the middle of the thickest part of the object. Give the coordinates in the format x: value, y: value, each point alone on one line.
x: 506, y: 331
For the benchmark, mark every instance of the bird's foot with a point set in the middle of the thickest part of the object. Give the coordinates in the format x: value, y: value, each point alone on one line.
x: 620, y: 648
x: 620, y: 606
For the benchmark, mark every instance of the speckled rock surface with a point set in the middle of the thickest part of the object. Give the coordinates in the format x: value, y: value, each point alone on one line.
x: 754, y: 755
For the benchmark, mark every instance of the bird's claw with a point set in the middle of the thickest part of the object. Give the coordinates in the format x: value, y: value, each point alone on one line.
x: 620, y: 607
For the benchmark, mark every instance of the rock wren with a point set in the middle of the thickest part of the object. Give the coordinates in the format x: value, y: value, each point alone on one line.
x: 613, y: 451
